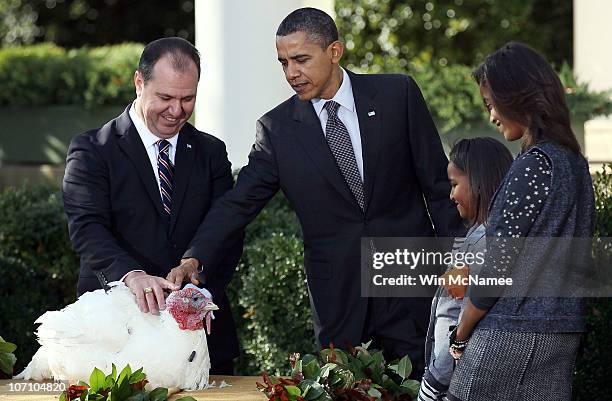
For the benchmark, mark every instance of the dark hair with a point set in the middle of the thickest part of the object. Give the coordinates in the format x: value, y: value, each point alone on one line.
x: 181, y: 53
x: 524, y: 88
x: 319, y: 26
x: 485, y: 161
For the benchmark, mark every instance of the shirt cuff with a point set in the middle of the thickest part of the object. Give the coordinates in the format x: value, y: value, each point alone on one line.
x: 131, y: 271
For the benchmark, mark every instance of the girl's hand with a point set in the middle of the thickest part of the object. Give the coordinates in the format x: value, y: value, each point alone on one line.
x: 455, y: 281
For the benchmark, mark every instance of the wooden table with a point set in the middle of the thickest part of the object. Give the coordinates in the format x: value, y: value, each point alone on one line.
x: 242, y: 389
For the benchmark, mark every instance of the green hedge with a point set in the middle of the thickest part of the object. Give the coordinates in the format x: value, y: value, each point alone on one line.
x: 454, y: 99
x: 38, y: 268
x: 45, y: 74
x: 269, y: 292
x: 591, y: 379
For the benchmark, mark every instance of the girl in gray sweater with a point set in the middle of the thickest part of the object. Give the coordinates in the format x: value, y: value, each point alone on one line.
x: 477, y: 167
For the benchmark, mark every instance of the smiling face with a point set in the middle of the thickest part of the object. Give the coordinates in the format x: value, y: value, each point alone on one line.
x: 166, y: 101
x: 460, y: 192
x: 312, y: 71
x: 511, y: 130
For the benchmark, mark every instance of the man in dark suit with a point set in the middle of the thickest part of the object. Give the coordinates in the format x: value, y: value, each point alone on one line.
x: 356, y: 156
x: 136, y: 190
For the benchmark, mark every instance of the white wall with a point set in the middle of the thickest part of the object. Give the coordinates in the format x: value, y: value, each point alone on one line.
x: 241, y: 77
x: 593, y: 42
x: 593, y: 65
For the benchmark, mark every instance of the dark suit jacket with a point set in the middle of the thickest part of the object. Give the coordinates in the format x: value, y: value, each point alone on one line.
x: 115, y: 214
x: 405, y: 178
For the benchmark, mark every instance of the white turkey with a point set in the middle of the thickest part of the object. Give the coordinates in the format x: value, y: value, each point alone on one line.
x: 102, y: 328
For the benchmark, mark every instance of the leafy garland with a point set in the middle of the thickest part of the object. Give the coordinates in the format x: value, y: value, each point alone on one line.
x: 335, y: 375
x: 129, y: 386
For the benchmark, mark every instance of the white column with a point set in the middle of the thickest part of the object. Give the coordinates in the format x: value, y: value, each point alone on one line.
x: 593, y: 42
x: 241, y: 76
x: 593, y: 65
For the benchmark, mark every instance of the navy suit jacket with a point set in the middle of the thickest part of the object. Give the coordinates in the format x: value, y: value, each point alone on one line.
x: 116, y: 219
x: 405, y: 185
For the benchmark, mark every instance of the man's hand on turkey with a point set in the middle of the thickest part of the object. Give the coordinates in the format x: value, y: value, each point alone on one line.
x: 186, y: 271
x: 149, y: 291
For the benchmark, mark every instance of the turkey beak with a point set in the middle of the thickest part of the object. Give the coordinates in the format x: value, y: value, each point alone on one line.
x: 210, y: 306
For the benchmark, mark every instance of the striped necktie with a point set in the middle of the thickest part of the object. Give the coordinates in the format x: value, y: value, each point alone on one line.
x: 341, y: 147
x: 166, y: 173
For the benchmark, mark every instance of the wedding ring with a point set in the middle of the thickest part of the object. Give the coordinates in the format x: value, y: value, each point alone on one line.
x: 148, y: 290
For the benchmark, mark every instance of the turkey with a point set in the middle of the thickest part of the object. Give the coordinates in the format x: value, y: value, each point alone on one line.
x: 102, y: 328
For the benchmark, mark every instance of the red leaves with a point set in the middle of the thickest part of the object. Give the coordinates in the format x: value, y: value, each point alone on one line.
x: 361, y: 375
x: 140, y: 385
x: 332, y: 355
x: 276, y: 392
x: 74, y: 392
x: 287, y: 382
x: 352, y: 394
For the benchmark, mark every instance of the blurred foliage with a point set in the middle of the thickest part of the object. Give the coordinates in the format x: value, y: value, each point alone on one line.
x: 38, y: 267
x: 17, y: 23
x: 275, y: 299
x: 603, y: 201
x: 583, y: 102
x: 453, y: 97
x: 268, y: 293
x: 439, y: 42
x: 75, y: 23
x: 386, y: 35
x: 46, y: 74
x: 591, y: 377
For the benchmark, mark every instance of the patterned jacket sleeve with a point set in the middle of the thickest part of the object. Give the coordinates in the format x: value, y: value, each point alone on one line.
x: 523, y: 196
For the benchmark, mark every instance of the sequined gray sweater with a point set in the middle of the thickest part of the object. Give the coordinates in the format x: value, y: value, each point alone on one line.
x: 547, y: 194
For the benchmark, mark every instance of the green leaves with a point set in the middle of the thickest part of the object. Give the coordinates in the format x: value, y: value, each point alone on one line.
x: 97, y: 380
x: 334, y: 374
x: 311, y: 370
x: 46, y: 74
x: 403, y: 368
x: 159, y: 394
x: 128, y: 386
x: 7, y: 359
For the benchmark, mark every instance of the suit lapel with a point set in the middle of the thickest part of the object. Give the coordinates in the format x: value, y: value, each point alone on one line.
x: 369, y: 116
x: 311, y: 137
x: 183, y: 160
x: 131, y: 144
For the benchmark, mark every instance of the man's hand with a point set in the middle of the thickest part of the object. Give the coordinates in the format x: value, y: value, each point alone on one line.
x: 186, y: 271
x: 149, y: 291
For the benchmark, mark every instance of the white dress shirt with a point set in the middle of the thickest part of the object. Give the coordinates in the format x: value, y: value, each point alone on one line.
x: 347, y: 113
x: 150, y: 143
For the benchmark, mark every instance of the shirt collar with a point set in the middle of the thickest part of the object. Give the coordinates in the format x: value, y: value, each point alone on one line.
x: 147, y: 137
x: 344, y: 96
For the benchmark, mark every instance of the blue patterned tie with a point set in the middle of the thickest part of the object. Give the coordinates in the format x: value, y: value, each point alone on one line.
x: 341, y: 147
x: 166, y: 173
